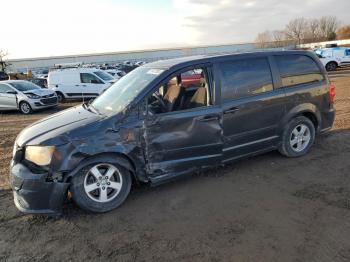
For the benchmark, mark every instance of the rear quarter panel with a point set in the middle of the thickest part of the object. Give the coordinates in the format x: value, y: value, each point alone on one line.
x: 308, y: 98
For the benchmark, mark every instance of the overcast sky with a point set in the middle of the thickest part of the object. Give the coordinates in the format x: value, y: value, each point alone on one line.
x: 34, y: 28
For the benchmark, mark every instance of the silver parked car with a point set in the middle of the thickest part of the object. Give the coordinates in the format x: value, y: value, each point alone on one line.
x: 25, y: 96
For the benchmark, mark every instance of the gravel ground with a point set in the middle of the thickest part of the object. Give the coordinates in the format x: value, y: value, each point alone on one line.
x: 267, y: 208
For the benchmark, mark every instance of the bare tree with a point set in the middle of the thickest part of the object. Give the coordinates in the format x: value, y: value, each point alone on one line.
x: 313, y: 32
x: 301, y: 30
x: 343, y: 32
x: 328, y: 27
x: 296, y: 29
x: 263, y: 40
x: 278, y: 38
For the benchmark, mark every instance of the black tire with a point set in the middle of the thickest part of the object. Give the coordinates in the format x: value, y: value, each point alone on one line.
x: 60, y: 97
x: 331, y: 66
x: 84, y: 201
x: 286, y: 148
x: 25, y: 108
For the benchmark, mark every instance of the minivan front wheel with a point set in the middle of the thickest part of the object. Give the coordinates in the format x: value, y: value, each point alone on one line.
x: 100, y: 187
x: 298, y: 137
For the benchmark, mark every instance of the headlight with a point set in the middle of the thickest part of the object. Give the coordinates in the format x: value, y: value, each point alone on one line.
x: 32, y: 96
x: 40, y: 155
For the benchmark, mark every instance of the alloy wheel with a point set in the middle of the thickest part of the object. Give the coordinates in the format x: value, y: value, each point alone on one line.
x: 25, y: 108
x: 300, y: 137
x: 103, y: 182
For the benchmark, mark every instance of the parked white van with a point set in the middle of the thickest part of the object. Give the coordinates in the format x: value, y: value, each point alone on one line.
x: 334, y: 57
x: 79, y: 82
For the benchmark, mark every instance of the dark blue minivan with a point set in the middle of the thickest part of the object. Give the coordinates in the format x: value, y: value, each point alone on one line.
x: 149, y: 127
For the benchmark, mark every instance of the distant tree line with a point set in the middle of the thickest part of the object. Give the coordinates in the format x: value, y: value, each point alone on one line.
x: 302, y: 30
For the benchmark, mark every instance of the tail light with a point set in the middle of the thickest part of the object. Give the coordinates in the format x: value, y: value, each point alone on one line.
x: 331, y: 93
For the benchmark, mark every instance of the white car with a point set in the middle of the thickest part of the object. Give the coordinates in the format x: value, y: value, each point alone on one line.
x: 334, y: 57
x: 25, y: 96
x: 79, y: 82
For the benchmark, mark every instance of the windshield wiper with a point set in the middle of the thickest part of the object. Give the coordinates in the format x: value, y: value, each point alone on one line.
x: 90, y: 106
x: 87, y: 107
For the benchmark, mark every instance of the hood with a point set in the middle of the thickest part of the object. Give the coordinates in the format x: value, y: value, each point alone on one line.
x: 52, y: 127
x: 39, y: 92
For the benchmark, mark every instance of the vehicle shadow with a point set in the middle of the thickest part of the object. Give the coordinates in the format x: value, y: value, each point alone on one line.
x: 325, y: 144
x: 233, y: 172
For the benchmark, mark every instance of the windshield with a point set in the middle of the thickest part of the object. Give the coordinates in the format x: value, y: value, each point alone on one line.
x: 103, y: 75
x: 24, y: 86
x: 120, y: 94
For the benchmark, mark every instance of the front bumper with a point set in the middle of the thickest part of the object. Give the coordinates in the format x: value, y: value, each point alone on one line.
x: 33, y: 194
x: 43, y: 103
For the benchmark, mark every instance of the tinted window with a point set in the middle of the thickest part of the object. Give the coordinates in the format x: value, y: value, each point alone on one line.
x: 4, y: 88
x: 245, y: 78
x: 347, y: 52
x: 298, y: 69
x: 89, y: 78
x: 103, y: 75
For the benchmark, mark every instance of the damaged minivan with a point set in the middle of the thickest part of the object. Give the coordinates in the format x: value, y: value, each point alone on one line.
x: 150, y: 128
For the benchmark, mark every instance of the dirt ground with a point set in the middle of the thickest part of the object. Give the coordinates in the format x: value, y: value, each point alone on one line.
x: 267, y: 208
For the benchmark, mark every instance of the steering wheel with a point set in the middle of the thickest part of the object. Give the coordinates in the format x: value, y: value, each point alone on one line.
x: 160, y: 100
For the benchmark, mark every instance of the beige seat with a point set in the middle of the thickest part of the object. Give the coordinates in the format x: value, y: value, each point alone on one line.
x: 199, y: 98
x: 172, y: 93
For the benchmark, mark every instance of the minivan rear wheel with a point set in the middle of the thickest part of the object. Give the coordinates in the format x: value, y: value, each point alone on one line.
x: 298, y: 137
x: 101, y: 187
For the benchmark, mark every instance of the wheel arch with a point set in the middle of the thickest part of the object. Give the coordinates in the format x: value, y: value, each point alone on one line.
x: 120, y: 158
x: 308, y: 110
x: 332, y: 61
x: 19, y: 102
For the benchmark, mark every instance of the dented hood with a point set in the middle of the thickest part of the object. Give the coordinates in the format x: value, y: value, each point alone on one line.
x: 56, y: 125
x: 40, y: 92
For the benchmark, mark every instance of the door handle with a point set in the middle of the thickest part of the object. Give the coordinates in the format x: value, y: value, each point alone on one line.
x: 208, y: 118
x: 77, y: 85
x: 231, y: 110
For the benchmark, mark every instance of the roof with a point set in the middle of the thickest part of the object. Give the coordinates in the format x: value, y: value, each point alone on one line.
x: 210, y: 58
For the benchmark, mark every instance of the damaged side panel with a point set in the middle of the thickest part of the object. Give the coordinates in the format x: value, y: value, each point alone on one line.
x: 181, y: 142
x: 120, y: 139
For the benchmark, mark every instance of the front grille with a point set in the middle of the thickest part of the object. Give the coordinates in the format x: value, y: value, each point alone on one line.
x: 48, y: 101
x: 48, y: 96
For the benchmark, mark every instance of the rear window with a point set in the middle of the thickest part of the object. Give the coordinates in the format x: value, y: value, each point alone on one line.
x: 246, y: 77
x: 298, y: 69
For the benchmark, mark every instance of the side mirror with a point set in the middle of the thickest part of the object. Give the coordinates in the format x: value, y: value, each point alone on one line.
x: 11, y: 92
